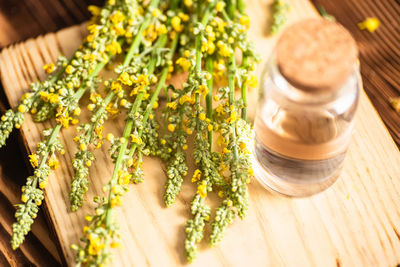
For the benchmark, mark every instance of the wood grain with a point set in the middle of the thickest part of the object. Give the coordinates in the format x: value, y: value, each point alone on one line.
x: 356, y: 222
x: 379, y: 51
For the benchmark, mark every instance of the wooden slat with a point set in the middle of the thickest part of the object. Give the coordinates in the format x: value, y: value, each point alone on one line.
x: 380, y: 51
x: 356, y: 222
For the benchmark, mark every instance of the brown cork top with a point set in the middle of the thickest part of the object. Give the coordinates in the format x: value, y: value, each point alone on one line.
x: 316, y: 54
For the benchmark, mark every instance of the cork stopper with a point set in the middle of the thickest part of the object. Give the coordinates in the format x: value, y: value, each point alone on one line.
x: 316, y: 55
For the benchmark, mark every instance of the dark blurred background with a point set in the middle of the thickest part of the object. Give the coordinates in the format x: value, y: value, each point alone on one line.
x: 21, y: 19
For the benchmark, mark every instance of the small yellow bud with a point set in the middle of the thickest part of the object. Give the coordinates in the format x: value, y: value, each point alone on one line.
x: 77, y: 111
x: 189, y: 131
x: 24, y: 198
x: 123, y: 102
x: 42, y: 184
x: 185, y: 147
x: 82, y: 146
x: 110, y: 137
x: 171, y: 127
x: 156, y: 12
x: 22, y: 108
x: 91, y: 107
x: 220, y: 6
x: 88, y: 163
x: 202, y: 116
x: 155, y: 105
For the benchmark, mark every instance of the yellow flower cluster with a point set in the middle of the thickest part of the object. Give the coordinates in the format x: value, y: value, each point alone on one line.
x: 49, y: 97
x: 202, y: 189
x: 49, y: 68
x: 196, y: 176
x: 184, y: 63
x: 33, y: 159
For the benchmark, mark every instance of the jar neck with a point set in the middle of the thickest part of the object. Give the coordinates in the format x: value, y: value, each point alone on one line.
x: 299, y: 96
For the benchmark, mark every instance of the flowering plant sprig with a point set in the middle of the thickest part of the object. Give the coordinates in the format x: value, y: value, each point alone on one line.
x: 66, y: 100
x: 280, y: 9
x: 127, y: 167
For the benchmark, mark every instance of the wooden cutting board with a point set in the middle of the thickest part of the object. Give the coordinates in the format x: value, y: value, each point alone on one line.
x: 356, y: 222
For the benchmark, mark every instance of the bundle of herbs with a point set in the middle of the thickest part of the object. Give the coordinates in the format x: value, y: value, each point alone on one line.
x: 205, y: 39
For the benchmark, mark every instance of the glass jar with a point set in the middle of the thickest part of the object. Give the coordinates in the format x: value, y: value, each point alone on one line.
x: 302, y: 132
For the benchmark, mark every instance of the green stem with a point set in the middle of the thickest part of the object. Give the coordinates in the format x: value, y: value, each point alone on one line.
x: 128, y: 130
x: 231, y: 8
x: 244, y: 92
x: 209, y: 68
x: 241, y: 6
x: 154, y: 97
x: 231, y: 85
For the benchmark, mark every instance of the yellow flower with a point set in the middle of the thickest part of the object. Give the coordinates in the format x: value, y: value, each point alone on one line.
x: 123, y: 177
x: 53, y: 163
x: 116, y: 87
x: 183, y: 16
x: 223, y: 49
x: 155, y: 105
x: 69, y: 69
x: 220, y: 110
x: 233, y: 117
x: 188, y: 2
x: 42, y: 184
x: 245, y: 21
x: 176, y: 24
x: 116, y: 201
x: 172, y: 105
x: 196, y: 176
x: 117, y: 17
x: 53, y: 98
x: 370, y: 24
x: 125, y: 79
x: 202, y: 116
x: 136, y: 139
x: 91, y: 107
x: 82, y: 147
x: 22, y: 108
x: 221, y: 140
x: 202, y: 189
x: 77, y: 111
x: 220, y: 6
x: 113, y: 111
x: 161, y: 29
x: 251, y: 81
x: 95, y: 10
x: 220, y: 194
x: 189, y: 131
x: 24, y: 198
x: 203, y: 89
x: 210, y: 127
x: 114, y: 48
x: 115, y: 244
x: 171, y: 127
x: 111, y: 2
x: 95, y: 246
x: 184, y: 63
x: 49, y: 68
x: 110, y: 137
x: 184, y: 99
x: 156, y: 12
x: 33, y: 159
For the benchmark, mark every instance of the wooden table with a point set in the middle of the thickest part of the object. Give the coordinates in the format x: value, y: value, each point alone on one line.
x: 380, y: 63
